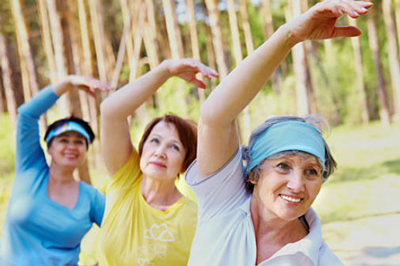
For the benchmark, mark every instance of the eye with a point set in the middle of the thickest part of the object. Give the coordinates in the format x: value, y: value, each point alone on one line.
x: 175, y: 147
x: 63, y: 140
x: 312, y: 173
x: 154, y: 140
x: 283, y: 167
x: 80, y: 142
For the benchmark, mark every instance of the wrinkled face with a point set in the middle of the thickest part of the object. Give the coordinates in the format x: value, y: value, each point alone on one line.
x: 288, y: 186
x: 68, y: 149
x: 163, y: 153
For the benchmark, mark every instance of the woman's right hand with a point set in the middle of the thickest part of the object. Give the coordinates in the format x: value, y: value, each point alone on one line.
x: 187, y: 69
x: 87, y: 84
x: 319, y: 22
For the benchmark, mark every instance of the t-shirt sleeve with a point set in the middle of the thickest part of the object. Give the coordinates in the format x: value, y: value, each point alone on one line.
x: 220, y: 192
x: 127, y: 176
x: 98, y: 206
x: 28, y: 152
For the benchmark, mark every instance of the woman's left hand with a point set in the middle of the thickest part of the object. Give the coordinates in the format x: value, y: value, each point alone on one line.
x: 87, y: 84
x: 188, y: 68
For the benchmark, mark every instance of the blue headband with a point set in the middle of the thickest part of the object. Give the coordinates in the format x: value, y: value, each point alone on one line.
x: 286, y: 136
x: 68, y: 126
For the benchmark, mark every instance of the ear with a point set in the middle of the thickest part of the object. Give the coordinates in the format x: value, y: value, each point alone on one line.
x: 253, y: 177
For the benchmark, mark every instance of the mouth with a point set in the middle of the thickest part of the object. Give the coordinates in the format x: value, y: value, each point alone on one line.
x: 290, y: 199
x: 71, y: 156
x: 158, y: 164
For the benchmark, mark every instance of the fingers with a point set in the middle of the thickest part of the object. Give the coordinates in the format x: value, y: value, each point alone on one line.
x: 346, y: 31
x: 88, y: 84
x: 199, y: 67
x: 95, y: 84
x: 352, y: 8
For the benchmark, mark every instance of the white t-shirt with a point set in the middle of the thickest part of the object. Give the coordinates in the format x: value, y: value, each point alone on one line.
x: 225, y: 234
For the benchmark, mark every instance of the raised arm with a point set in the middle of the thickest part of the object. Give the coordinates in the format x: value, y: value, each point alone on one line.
x: 218, y: 137
x: 115, y: 137
x: 28, y: 150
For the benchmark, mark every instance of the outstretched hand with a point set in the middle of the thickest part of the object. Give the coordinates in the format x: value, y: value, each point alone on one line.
x: 87, y: 84
x: 319, y: 21
x: 188, y: 68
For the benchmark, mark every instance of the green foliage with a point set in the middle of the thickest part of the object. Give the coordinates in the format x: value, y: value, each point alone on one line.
x: 6, y: 146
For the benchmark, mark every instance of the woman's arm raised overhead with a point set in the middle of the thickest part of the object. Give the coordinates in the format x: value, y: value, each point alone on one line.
x: 115, y: 138
x: 218, y: 135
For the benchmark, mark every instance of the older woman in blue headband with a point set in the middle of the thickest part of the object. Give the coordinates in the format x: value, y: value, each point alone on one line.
x: 259, y: 212
x: 49, y: 211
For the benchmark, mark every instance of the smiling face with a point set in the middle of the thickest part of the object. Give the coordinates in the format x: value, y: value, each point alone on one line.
x: 68, y: 149
x: 163, y: 153
x: 287, y: 186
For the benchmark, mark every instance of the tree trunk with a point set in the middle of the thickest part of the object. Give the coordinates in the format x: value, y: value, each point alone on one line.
x: 397, y: 13
x: 28, y: 68
x: 194, y: 40
x: 216, y: 30
x: 174, y: 33
x: 7, y: 80
x: 268, y: 30
x: 46, y: 38
x: 138, y: 38
x: 165, y: 51
x: 393, y: 54
x: 300, y: 65
x: 246, y: 26
x: 99, y: 39
x: 205, y: 29
x: 382, y: 93
x: 360, y: 76
x: 233, y: 27
x: 152, y: 22
x: 26, y: 49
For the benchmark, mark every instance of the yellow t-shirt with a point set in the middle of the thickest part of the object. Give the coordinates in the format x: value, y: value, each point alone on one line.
x: 134, y: 233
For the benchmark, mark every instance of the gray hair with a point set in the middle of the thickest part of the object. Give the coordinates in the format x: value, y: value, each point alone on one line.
x: 317, y: 121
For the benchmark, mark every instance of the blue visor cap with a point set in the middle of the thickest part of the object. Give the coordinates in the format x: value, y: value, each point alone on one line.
x: 287, y: 136
x: 68, y: 126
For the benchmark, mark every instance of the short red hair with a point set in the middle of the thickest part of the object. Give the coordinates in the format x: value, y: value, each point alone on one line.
x: 187, y: 131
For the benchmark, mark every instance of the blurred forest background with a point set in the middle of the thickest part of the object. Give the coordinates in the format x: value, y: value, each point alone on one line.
x: 354, y: 82
x: 348, y: 80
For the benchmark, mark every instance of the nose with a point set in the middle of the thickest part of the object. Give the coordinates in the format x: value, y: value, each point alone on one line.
x: 160, y: 151
x: 296, y: 182
x: 71, y: 145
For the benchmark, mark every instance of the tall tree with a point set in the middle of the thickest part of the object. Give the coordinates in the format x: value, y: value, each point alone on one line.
x: 216, y: 30
x: 174, y: 33
x: 6, y: 71
x: 394, y: 64
x: 359, y: 75
x: 25, y: 49
x: 246, y: 26
x: 300, y: 66
x: 193, y: 39
x: 234, y: 30
x: 268, y: 29
x: 46, y: 39
x: 374, y: 46
x: 397, y: 13
x: 99, y: 39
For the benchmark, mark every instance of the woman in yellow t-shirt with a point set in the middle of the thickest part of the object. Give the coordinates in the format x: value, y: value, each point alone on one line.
x: 147, y: 221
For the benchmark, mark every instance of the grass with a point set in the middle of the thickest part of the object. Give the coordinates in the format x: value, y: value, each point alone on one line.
x: 366, y: 183
x: 367, y: 180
